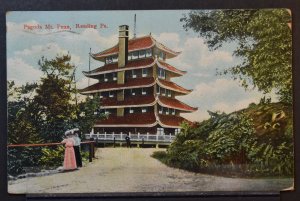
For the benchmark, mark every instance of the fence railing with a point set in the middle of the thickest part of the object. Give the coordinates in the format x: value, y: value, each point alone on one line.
x: 133, y: 137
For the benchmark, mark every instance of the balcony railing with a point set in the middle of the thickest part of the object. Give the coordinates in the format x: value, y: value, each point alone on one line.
x: 133, y: 137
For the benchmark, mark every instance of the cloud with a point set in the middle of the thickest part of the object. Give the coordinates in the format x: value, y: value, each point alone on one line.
x: 50, y: 50
x: 83, y: 83
x: 92, y: 37
x: 169, y: 39
x: 21, y: 72
x: 223, y: 95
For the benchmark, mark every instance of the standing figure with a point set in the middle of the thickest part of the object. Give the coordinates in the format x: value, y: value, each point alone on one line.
x: 128, y: 143
x: 69, y: 159
x: 77, y: 147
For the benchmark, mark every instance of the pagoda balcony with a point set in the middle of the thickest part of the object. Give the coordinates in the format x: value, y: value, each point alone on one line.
x: 135, y: 138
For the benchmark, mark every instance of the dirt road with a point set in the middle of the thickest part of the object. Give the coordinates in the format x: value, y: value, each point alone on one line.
x: 133, y: 170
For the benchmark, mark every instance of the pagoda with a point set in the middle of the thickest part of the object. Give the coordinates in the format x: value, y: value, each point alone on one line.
x: 135, y: 87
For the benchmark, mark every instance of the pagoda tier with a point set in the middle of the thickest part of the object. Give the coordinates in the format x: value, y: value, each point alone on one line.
x: 149, y: 119
x: 172, y: 86
x: 133, y: 101
x: 135, y: 44
x: 132, y: 65
x: 175, y: 104
x: 109, y: 86
x: 146, y: 101
x: 134, y: 83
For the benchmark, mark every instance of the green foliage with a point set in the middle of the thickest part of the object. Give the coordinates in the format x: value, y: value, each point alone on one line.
x: 52, y: 157
x: 264, y: 43
x: 230, y: 144
x: 21, y: 159
x: 42, y: 112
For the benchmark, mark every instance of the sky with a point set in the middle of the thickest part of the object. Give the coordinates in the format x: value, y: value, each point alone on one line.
x: 28, y: 40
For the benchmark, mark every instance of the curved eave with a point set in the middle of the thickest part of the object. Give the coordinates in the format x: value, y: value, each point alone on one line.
x: 190, y: 109
x: 115, y: 87
x: 174, y: 71
x: 108, y: 52
x: 165, y: 124
x: 89, y: 74
x: 142, y: 103
x: 181, y: 90
x: 169, y: 53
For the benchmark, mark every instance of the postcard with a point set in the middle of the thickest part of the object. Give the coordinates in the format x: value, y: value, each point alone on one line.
x: 149, y: 101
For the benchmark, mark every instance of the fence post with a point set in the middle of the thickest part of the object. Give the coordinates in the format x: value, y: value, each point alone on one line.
x: 121, y: 135
x: 147, y: 136
x: 93, y: 149
x: 90, y: 153
x: 170, y: 137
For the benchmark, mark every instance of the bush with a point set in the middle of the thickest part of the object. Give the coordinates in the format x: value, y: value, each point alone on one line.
x: 52, y: 157
x: 230, y: 142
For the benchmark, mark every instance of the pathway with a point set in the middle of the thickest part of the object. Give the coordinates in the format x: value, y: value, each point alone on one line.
x: 133, y: 170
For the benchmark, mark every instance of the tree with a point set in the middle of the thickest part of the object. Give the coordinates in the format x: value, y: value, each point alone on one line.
x: 21, y: 123
x: 264, y: 43
x: 54, y: 97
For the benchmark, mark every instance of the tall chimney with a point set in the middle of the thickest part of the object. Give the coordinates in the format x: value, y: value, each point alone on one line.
x: 123, y: 45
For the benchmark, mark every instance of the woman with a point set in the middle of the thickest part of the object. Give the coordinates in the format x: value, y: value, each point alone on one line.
x: 69, y: 160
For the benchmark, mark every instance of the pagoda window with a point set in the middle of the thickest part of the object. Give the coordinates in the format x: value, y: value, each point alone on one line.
x: 169, y: 93
x: 135, y: 55
x: 100, y: 95
x: 142, y: 54
x: 105, y: 78
x: 161, y: 73
x: 177, y: 130
x: 145, y: 72
x: 111, y: 94
x: 108, y: 60
x: 129, y: 56
x: 168, y: 111
x: 133, y: 73
x: 144, y: 110
x: 160, y: 131
x: 148, y: 53
x: 131, y: 110
x: 114, y: 58
x: 161, y: 55
x: 114, y: 76
x: 132, y: 92
x: 144, y: 91
x: 157, y: 89
x: 173, y: 111
x: 160, y: 110
x: 163, y: 91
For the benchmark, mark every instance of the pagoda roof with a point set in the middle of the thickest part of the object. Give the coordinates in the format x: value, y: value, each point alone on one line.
x: 146, y: 101
x: 109, y: 86
x: 132, y: 101
x: 169, y: 67
x: 148, y: 119
x: 171, y: 121
x: 174, y: 103
x: 129, y: 120
x: 110, y: 68
x: 131, y: 65
x: 135, y: 44
x: 172, y: 86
